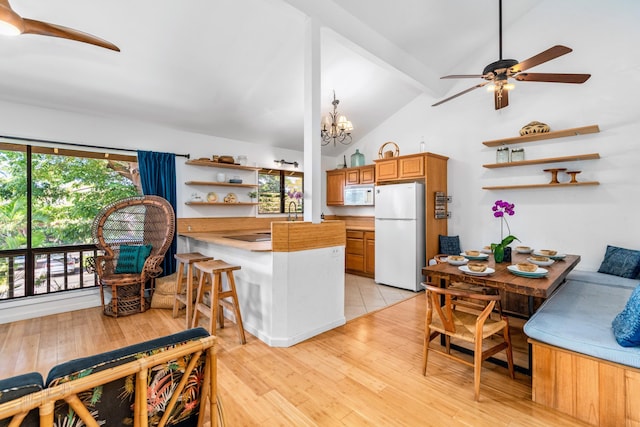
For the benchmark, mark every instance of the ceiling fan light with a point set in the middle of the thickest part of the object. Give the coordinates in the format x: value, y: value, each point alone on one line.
x: 7, y: 29
x: 491, y: 88
x: 508, y: 86
x: 10, y: 22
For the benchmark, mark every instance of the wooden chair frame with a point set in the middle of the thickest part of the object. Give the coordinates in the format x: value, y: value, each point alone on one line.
x: 456, y: 309
x: 45, y: 399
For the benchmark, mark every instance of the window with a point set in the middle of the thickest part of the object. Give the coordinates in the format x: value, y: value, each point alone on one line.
x: 280, y: 191
x: 48, y: 200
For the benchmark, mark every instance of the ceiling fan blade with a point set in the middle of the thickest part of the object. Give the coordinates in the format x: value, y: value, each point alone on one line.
x: 549, y: 54
x: 463, y: 76
x: 552, y: 77
x: 501, y: 98
x: 45, y: 29
x: 460, y: 93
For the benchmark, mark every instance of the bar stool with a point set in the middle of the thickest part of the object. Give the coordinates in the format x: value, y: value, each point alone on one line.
x: 211, y: 279
x: 186, y: 297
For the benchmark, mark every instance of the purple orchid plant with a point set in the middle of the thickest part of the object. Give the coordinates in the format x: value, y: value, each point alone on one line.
x: 293, y: 194
x: 501, y: 209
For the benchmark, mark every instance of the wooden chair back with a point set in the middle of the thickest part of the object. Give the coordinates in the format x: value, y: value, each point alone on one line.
x: 142, y: 220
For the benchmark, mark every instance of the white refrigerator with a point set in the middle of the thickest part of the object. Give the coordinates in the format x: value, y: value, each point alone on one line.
x: 400, y: 235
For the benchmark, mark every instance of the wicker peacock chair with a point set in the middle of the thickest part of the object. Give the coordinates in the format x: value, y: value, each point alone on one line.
x: 134, y: 234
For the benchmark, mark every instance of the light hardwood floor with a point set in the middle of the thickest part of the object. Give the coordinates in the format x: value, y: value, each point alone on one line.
x: 367, y: 372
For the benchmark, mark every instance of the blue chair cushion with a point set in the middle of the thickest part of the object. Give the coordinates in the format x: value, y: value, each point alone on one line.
x: 18, y: 386
x: 449, y: 245
x: 626, y: 325
x: 620, y: 262
x: 132, y: 258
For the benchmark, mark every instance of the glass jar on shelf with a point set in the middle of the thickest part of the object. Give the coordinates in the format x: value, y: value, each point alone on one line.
x: 502, y: 155
x: 242, y: 160
x: 517, y: 155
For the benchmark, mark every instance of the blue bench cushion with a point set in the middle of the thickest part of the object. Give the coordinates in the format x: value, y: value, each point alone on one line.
x: 18, y: 386
x: 112, y: 403
x: 578, y: 317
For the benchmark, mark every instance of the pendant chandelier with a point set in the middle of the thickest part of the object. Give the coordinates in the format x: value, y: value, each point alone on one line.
x: 336, y: 128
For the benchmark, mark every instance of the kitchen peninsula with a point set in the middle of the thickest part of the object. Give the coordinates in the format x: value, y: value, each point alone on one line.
x: 290, y: 287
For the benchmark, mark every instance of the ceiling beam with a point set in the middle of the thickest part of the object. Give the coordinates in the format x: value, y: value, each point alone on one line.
x: 368, y: 43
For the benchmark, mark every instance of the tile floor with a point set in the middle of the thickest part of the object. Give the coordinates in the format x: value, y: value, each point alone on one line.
x: 363, y: 295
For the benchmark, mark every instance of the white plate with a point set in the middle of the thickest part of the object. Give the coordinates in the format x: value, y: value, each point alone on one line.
x: 540, y: 272
x: 480, y: 256
x: 556, y: 256
x: 454, y: 262
x: 540, y: 263
x: 466, y: 270
x: 485, y: 250
x: 523, y: 251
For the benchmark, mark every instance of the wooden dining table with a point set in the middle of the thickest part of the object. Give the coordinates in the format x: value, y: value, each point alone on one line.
x: 443, y: 274
x: 508, y: 283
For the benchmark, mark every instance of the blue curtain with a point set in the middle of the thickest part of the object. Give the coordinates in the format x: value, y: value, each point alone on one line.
x: 158, y: 178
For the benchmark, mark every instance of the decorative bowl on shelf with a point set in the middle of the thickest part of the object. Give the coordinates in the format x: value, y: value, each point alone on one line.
x: 534, y: 127
x: 235, y: 181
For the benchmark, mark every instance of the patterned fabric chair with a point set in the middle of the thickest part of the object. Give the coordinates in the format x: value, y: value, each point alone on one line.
x: 134, y: 234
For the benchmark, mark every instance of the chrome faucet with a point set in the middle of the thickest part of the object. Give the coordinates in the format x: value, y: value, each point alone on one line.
x: 295, y: 209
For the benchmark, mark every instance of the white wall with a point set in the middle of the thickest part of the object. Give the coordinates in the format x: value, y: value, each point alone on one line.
x: 579, y: 220
x: 53, y: 125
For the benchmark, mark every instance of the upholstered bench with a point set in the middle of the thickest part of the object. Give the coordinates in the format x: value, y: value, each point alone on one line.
x: 163, y: 381
x: 578, y: 366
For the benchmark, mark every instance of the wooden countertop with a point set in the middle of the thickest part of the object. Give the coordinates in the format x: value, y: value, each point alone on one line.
x: 218, y: 238
x: 359, y: 228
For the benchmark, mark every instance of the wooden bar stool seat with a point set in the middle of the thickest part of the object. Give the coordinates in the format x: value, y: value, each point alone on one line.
x: 184, y: 297
x: 211, y: 280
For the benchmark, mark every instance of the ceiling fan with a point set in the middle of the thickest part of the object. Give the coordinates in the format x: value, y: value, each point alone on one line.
x: 497, y: 73
x: 13, y: 24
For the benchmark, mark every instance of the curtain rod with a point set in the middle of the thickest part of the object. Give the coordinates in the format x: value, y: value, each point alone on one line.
x: 126, y: 150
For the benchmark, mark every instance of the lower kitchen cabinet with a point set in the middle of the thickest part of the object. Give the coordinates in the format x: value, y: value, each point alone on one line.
x: 360, y: 253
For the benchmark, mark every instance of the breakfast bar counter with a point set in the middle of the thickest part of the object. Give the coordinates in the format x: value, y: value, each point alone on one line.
x: 290, y: 288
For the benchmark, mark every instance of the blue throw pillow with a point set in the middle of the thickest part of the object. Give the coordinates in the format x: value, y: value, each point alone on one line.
x: 449, y: 245
x: 626, y: 325
x: 132, y: 258
x: 620, y: 262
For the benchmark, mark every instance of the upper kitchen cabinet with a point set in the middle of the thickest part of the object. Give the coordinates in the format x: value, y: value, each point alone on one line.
x: 335, y: 187
x: 401, y: 168
x: 337, y: 179
x: 360, y: 175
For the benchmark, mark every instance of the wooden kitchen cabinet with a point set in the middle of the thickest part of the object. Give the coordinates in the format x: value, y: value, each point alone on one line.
x: 360, y: 253
x: 369, y: 253
x: 335, y: 187
x: 337, y: 179
x: 360, y: 175
x: 400, y: 168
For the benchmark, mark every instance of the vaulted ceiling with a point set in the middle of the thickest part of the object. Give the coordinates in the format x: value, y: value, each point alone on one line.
x: 234, y: 68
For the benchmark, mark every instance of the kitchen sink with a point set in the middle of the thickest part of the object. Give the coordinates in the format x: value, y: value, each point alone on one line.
x: 255, y: 237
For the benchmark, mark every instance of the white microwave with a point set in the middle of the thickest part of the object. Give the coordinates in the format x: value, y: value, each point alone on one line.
x: 358, y: 195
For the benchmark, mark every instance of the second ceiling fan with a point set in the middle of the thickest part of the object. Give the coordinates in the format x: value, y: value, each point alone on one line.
x: 497, y: 73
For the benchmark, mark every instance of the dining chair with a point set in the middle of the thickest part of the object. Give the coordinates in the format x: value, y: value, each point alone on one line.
x: 465, y: 314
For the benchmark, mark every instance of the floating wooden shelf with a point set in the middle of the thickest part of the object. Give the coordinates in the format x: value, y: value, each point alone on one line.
x: 221, y: 203
x: 591, y: 156
x: 562, y: 184
x: 221, y: 165
x: 221, y: 184
x: 540, y: 136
